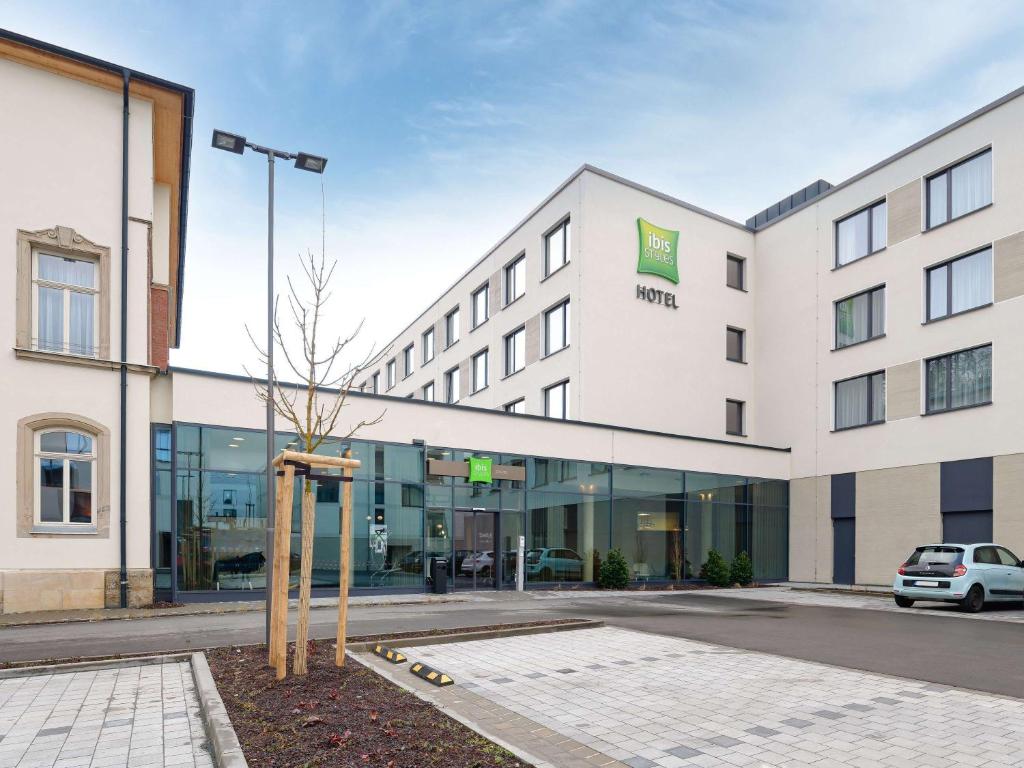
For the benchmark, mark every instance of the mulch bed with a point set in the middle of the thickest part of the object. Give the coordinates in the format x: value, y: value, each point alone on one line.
x: 340, y: 717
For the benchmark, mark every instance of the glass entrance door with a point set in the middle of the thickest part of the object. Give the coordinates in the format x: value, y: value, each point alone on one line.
x: 475, y: 562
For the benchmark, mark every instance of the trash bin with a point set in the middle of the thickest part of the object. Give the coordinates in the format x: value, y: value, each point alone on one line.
x: 439, y: 575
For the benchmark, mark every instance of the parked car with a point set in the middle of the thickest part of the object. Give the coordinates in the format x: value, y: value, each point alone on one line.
x: 967, y: 574
x: 550, y: 564
x: 247, y: 563
x: 413, y: 562
x: 481, y: 563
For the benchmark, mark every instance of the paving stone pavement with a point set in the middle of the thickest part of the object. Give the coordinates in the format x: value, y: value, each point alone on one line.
x: 650, y: 701
x: 142, y: 716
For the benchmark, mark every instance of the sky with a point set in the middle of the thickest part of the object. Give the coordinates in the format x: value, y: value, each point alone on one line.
x: 445, y: 123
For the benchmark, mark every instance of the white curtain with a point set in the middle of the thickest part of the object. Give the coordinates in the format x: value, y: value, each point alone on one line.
x: 852, y: 402
x: 937, y: 200
x: 878, y: 312
x: 879, y: 232
x: 938, y: 305
x: 852, y: 320
x: 81, y: 323
x: 51, y: 319
x: 972, y: 184
x: 972, y: 377
x: 852, y: 236
x: 972, y: 281
x: 878, y: 397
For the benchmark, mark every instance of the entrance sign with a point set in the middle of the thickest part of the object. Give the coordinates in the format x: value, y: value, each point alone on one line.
x: 658, y: 251
x: 479, y: 470
x: 461, y: 469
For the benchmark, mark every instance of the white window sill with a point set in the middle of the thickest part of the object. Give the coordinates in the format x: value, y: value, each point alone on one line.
x: 69, y: 529
x: 95, y: 362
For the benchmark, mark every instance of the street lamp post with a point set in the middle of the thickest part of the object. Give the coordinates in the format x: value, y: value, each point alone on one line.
x: 230, y: 142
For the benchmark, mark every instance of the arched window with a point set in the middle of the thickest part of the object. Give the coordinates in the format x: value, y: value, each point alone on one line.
x: 65, y: 472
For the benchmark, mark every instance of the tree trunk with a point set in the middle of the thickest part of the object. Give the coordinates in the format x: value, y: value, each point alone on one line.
x: 305, y: 577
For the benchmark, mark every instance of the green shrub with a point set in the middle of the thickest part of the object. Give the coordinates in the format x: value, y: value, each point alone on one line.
x: 614, y: 571
x: 715, y: 571
x: 742, y: 570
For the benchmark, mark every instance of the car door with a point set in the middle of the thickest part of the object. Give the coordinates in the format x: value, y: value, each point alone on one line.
x: 986, y: 563
x: 1013, y: 574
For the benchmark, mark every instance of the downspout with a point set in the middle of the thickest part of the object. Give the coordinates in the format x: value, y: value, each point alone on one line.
x: 122, y: 448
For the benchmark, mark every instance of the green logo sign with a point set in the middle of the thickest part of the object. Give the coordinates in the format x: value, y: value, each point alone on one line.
x: 479, y: 470
x: 658, y: 251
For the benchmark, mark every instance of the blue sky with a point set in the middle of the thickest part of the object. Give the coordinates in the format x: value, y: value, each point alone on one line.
x: 446, y: 122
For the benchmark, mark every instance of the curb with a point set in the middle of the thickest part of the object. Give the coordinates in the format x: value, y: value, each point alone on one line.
x: 227, y: 752
x: 56, y: 668
x: 485, y: 634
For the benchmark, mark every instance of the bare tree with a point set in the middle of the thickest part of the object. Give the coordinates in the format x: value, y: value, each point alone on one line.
x: 313, y: 404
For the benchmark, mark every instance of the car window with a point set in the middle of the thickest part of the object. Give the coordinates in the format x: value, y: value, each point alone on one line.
x: 1006, y: 557
x: 936, y: 556
x: 986, y: 556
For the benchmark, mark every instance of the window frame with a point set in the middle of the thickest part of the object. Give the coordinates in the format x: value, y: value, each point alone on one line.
x: 427, y: 347
x: 452, y: 386
x: 483, y: 290
x: 423, y: 391
x: 565, y: 226
x: 948, y: 173
x: 742, y: 415
x: 742, y: 262
x: 510, y: 281
x: 375, y: 383
x: 38, y: 455
x: 949, y: 381
x: 391, y: 374
x: 562, y: 305
x: 508, y: 342
x: 948, y: 264
x: 475, y: 385
x: 835, y: 401
x: 870, y: 292
x: 869, y: 210
x: 729, y: 329
x: 408, y: 358
x: 509, y: 407
x: 66, y: 291
x: 451, y: 327
x: 564, y: 384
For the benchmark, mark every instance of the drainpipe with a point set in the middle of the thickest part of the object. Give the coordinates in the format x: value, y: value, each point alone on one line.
x: 122, y: 449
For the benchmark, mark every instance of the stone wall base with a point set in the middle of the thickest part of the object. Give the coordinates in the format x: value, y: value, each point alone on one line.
x: 26, y: 591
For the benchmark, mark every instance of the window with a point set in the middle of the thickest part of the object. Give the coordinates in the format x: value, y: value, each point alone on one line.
x: 479, y: 370
x: 451, y: 327
x: 451, y: 386
x: 557, y: 246
x: 958, y: 190
x: 556, y: 401
x: 959, y: 285
x: 734, y: 417
x: 64, y: 304
x: 515, y: 279
x: 735, y: 272
x: 428, y: 346
x: 391, y: 373
x: 515, y: 351
x: 860, y: 234
x: 734, y: 340
x: 860, y: 317
x: 480, y: 310
x: 64, y: 475
x: 375, y: 383
x: 959, y: 380
x: 516, y: 406
x: 407, y: 363
x: 556, y: 328
x: 860, y: 401
x: 428, y: 392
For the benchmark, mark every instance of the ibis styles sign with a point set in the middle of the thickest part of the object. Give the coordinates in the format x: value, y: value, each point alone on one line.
x: 658, y: 251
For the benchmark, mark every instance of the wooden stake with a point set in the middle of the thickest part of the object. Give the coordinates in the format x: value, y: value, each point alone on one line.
x: 346, y: 534
x: 282, y: 564
x: 305, y: 577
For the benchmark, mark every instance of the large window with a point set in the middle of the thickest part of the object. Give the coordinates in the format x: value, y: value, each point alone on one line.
x: 860, y: 317
x: 65, y: 304
x: 734, y: 344
x: 428, y: 346
x: 959, y: 285
x: 959, y: 380
x: 516, y: 406
x: 556, y: 401
x: 860, y: 234
x: 407, y: 362
x: 557, y: 247
x: 515, y: 351
x: 958, y: 190
x: 479, y: 370
x: 480, y: 311
x: 734, y: 417
x: 556, y: 328
x: 451, y: 386
x: 375, y: 383
x: 735, y: 272
x: 64, y: 476
x: 515, y: 279
x: 391, y: 373
x: 860, y: 401
x: 428, y: 391
x: 451, y: 327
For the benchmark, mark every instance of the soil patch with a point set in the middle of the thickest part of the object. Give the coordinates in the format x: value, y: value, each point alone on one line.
x: 340, y: 717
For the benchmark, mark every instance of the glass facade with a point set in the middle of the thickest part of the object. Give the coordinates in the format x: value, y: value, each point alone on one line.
x: 209, y: 515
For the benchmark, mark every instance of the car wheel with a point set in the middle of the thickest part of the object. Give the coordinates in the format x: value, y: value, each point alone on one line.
x: 974, y: 600
x: 903, y: 602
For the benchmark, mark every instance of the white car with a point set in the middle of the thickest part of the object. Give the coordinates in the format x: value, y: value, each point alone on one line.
x: 479, y: 562
x: 968, y: 574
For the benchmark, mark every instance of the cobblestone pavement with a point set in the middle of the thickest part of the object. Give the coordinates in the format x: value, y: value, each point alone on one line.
x: 652, y: 701
x: 133, y: 717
